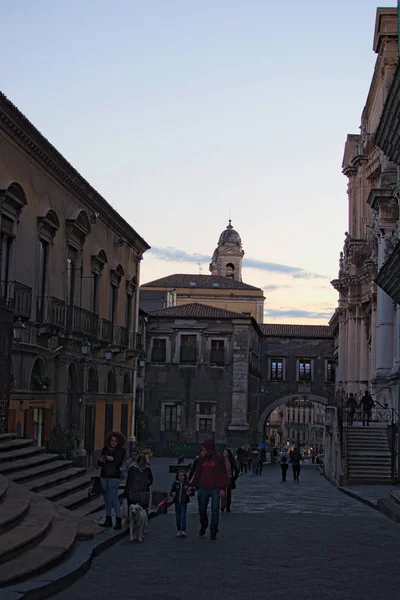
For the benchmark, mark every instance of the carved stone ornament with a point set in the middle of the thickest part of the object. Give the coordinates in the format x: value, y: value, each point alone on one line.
x: 48, y: 225
x: 391, y: 242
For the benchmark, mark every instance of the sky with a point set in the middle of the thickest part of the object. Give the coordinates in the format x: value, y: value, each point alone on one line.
x: 183, y: 114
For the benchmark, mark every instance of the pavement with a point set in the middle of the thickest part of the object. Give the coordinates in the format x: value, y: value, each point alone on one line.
x: 285, y: 541
x: 369, y: 494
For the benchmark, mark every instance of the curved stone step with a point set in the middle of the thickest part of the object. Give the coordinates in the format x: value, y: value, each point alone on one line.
x: 7, y: 436
x: 22, y: 453
x: 55, y: 479
x: 3, y: 486
x: 14, y: 506
x: 50, y: 467
x: 49, y: 552
x: 30, y: 530
x: 68, y: 488
x: 16, y: 444
x: 24, y: 464
x: 82, y: 505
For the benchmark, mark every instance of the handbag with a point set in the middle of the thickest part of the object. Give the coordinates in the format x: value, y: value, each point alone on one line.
x: 95, y: 488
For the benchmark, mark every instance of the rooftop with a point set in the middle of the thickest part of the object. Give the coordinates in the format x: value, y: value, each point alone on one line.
x: 182, y: 280
x: 298, y: 331
x: 195, y: 311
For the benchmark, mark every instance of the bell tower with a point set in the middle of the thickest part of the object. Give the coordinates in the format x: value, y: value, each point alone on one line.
x: 228, y: 255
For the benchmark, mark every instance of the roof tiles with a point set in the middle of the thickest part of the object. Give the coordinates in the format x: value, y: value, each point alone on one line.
x: 195, y: 311
x: 299, y: 331
x: 182, y: 280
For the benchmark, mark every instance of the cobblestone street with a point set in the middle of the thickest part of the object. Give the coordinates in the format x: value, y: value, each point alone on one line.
x: 282, y: 541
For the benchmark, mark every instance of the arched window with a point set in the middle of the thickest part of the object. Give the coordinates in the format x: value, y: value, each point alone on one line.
x: 127, y: 384
x: 111, y: 383
x: 230, y: 270
x: 93, y: 384
x: 39, y: 380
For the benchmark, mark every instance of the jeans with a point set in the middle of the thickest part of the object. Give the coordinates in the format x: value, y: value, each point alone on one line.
x: 255, y: 468
x: 284, y: 468
x: 203, y: 498
x: 110, y: 488
x: 366, y: 416
x: 260, y: 465
x: 243, y: 467
x: 296, y: 471
x: 180, y: 512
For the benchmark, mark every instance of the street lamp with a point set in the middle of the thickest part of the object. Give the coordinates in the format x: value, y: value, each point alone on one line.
x: 86, y: 347
x: 108, y: 353
x: 18, y: 330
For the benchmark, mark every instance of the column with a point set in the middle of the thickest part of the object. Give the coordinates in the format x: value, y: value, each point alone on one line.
x: 342, y: 366
x: 384, y: 332
x: 351, y: 353
x: 372, y: 356
x: 240, y: 369
x: 364, y: 352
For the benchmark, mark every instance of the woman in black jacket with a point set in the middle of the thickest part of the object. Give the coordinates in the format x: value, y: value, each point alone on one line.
x: 139, y: 481
x: 111, y: 459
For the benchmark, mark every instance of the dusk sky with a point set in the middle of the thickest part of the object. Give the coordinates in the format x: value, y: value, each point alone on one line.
x: 183, y: 113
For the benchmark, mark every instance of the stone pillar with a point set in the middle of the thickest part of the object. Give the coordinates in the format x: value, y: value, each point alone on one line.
x: 342, y: 356
x: 364, y: 352
x: 238, y: 428
x: 384, y: 331
x: 351, y: 353
x: 372, y: 356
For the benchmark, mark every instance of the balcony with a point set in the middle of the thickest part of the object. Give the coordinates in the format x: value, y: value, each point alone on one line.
x: 106, y: 331
x: 19, y: 296
x: 122, y: 337
x: 51, y: 311
x: 80, y: 320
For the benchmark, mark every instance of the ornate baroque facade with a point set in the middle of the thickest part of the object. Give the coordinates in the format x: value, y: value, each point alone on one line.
x: 366, y: 320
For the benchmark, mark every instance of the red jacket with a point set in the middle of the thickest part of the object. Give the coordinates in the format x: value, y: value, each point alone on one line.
x: 211, y: 473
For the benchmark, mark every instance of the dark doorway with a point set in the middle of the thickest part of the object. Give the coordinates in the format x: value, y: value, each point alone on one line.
x: 90, y: 427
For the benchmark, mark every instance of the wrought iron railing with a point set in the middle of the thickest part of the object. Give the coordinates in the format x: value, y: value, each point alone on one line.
x: 51, y: 311
x: 17, y: 295
x: 106, y: 331
x: 122, y: 337
x: 82, y: 321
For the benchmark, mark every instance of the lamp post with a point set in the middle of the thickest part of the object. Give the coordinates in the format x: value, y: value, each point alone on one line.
x: 108, y: 353
x: 86, y: 349
x: 18, y: 330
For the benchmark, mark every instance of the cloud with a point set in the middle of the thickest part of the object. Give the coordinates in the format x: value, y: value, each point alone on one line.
x: 172, y: 254
x: 297, y: 313
x: 274, y: 288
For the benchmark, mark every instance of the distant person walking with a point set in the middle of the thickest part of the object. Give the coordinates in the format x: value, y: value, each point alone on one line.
x: 242, y: 459
x: 366, y: 404
x: 262, y: 457
x: 295, y: 458
x: 351, y: 409
x: 232, y: 471
x: 111, y: 459
x: 284, y: 466
x: 255, y: 459
x: 211, y: 479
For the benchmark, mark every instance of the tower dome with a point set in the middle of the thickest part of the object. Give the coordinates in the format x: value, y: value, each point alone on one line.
x: 227, y: 257
x: 229, y: 236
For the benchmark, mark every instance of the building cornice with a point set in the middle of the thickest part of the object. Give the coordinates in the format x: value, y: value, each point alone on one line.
x: 387, y: 135
x: 24, y: 133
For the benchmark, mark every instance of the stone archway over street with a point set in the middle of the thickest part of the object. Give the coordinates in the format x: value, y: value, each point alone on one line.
x: 281, y: 401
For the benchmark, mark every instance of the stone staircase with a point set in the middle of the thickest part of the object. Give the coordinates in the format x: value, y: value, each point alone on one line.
x: 43, y: 504
x: 368, y: 454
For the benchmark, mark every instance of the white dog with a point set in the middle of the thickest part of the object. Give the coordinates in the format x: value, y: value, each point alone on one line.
x: 138, y: 520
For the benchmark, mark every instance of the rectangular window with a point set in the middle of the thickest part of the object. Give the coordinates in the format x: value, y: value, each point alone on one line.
x: 159, y: 350
x: 205, y: 425
x: 42, y: 268
x: 217, y: 352
x: 70, y: 281
x: 330, y: 370
x: 277, y: 369
x: 113, y: 303
x: 124, y: 419
x: 171, y: 418
x: 128, y: 312
x: 109, y: 418
x: 94, y: 305
x: 305, y: 370
x: 188, y: 349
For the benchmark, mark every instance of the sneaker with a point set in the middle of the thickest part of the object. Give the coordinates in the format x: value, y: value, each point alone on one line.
x: 183, y: 534
x: 179, y: 533
x: 213, y: 535
x: 202, y: 532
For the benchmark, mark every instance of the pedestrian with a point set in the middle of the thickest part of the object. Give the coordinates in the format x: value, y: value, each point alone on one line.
x: 366, y: 403
x: 242, y: 459
x: 284, y: 467
x: 111, y: 459
x: 138, y: 483
x: 351, y: 408
x: 295, y: 458
x: 232, y: 470
x: 211, y: 478
x: 262, y: 457
x: 181, y: 493
x: 255, y: 459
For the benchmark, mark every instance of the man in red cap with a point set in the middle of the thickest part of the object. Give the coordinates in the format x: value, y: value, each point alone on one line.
x: 211, y: 478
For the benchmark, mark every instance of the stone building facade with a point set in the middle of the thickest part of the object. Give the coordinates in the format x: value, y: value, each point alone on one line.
x: 70, y: 265
x: 202, y: 376
x: 366, y: 319
x: 297, y: 370
x: 224, y: 288
x: 298, y: 423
